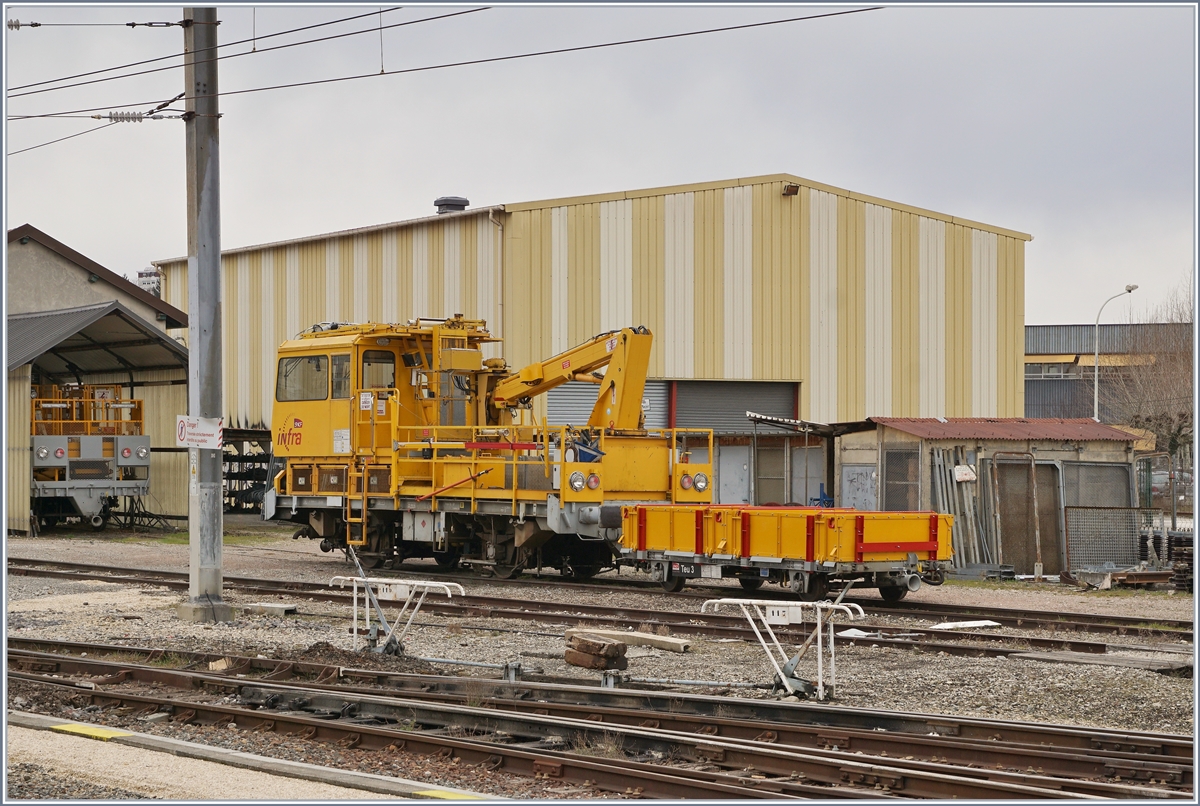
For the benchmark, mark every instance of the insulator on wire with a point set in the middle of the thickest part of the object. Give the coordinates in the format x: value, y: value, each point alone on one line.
x: 125, y: 117
x: 15, y: 25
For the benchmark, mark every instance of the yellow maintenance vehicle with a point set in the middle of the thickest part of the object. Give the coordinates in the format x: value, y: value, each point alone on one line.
x: 89, y: 451
x: 404, y: 441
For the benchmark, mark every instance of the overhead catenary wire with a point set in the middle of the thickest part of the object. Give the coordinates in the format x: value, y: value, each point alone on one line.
x: 224, y: 45
x: 115, y: 120
x: 59, y: 140
x: 470, y: 62
x: 247, y: 53
x: 16, y: 25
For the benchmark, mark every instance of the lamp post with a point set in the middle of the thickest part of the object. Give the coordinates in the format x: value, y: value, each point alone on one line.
x: 1129, y: 289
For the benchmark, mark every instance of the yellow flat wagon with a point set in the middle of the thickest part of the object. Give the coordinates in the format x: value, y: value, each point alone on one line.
x: 804, y: 548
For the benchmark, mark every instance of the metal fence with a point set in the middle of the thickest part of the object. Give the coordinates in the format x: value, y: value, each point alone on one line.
x: 1114, y: 537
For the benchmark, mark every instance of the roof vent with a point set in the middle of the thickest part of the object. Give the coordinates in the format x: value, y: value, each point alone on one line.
x: 450, y: 204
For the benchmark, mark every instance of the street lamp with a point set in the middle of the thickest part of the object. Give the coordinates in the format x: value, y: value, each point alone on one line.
x: 1129, y: 289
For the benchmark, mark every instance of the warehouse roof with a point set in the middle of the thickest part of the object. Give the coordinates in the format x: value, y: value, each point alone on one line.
x: 1015, y: 428
x: 1055, y: 340
x: 175, y: 318
x: 105, y: 337
x: 597, y: 198
x: 761, y: 180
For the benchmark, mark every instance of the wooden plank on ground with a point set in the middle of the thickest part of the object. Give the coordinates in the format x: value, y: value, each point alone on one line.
x: 637, y: 638
x: 1150, y: 664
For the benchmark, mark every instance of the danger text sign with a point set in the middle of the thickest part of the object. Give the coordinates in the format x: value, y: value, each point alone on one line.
x: 199, y: 432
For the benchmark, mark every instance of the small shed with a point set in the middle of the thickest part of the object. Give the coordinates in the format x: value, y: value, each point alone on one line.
x: 72, y: 320
x: 988, y: 472
x: 103, y: 343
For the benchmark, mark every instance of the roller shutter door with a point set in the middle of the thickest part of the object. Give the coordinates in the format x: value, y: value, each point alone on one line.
x: 656, y: 401
x: 722, y: 405
x: 571, y: 403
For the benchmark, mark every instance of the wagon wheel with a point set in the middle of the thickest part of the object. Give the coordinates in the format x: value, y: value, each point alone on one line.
x: 673, y: 584
x: 506, y: 571
x: 510, y: 561
x: 818, y: 588
x: 446, y: 560
x: 893, y: 595
x: 750, y: 583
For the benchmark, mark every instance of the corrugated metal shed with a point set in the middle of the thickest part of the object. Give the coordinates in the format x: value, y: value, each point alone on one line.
x: 106, y: 337
x: 878, y: 308
x: 105, y: 344
x: 1066, y: 397
x: 1014, y: 429
x: 1077, y: 339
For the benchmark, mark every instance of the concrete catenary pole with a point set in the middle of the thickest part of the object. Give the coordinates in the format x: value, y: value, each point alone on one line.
x: 205, y: 499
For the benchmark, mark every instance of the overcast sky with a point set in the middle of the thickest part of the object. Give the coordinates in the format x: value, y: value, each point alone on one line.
x: 1074, y: 124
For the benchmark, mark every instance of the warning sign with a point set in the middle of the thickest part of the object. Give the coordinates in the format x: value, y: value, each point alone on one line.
x: 199, y: 432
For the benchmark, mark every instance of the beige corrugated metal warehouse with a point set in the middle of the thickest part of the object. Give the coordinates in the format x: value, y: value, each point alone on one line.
x: 17, y: 451
x: 874, y: 308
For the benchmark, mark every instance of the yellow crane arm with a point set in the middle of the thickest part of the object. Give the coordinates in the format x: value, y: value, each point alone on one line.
x: 625, y: 353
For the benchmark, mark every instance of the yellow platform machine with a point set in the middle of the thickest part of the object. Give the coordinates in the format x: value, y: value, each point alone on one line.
x: 404, y: 441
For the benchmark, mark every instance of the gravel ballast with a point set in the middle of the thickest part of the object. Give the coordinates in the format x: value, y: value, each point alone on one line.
x: 868, y: 676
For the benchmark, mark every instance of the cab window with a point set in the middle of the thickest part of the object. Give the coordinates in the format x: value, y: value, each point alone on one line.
x: 302, y: 378
x: 340, y: 369
x: 378, y: 369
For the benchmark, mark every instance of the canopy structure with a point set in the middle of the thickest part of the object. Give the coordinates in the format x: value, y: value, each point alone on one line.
x: 72, y: 343
x: 827, y: 430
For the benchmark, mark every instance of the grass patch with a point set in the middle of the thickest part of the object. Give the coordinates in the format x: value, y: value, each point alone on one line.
x: 167, y: 660
x: 603, y: 746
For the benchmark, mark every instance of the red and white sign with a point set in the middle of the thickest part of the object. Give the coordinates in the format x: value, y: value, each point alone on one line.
x: 199, y: 432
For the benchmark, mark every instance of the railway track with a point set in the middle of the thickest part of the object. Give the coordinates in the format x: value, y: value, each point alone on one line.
x: 1177, y: 629
x: 713, y: 625
x: 1009, y: 617
x: 720, y: 747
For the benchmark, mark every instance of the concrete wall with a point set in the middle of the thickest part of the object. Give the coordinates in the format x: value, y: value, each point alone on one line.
x: 42, y: 280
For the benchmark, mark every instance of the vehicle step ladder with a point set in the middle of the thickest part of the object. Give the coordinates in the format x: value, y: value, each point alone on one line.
x: 356, y: 473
